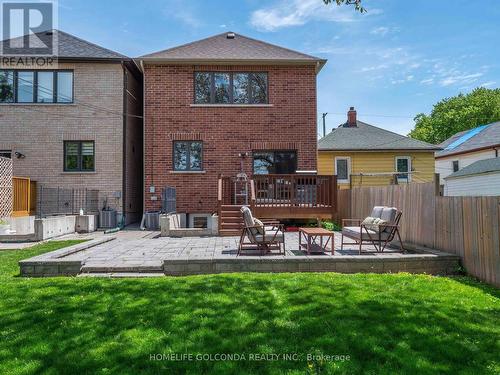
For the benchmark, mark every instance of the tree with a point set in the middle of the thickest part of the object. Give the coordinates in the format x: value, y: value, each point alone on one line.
x: 459, y: 113
x: 356, y: 3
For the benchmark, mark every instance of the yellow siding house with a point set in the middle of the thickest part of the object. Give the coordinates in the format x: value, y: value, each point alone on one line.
x: 365, y: 155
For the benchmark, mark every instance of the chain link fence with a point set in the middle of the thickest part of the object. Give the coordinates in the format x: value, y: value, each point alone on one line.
x: 53, y: 201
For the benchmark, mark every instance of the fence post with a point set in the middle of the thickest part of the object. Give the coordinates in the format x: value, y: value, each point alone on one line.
x: 437, y: 186
x: 40, y: 197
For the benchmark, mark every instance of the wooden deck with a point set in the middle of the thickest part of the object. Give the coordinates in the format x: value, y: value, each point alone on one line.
x: 293, y: 196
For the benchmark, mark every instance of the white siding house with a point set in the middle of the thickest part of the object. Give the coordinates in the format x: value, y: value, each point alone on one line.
x: 466, y: 148
x: 444, y: 166
x: 478, y: 179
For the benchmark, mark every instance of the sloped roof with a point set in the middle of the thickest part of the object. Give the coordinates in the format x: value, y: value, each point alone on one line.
x: 477, y: 138
x: 480, y: 166
x: 71, y: 47
x: 239, y: 48
x: 365, y: 137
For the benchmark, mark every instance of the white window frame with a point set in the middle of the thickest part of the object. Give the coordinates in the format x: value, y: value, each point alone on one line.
x: 348, y: 158
x: 409, y: 167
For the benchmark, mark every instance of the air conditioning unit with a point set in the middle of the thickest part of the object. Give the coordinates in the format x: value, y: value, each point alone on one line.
x: 107, y: 219
x: 152, y: 220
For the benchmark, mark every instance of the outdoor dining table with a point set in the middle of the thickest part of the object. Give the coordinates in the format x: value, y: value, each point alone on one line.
x: 311, y: 236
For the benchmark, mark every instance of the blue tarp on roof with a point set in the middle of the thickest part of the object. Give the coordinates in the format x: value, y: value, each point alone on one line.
x: 471, y: 133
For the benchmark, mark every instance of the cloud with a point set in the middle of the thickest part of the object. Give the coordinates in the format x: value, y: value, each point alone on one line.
x: 382, y: 30
x: 427, y: 81
x: 298, y: 12
x: 487, y: 84
x: 462, y: 79
x: 183, y: 12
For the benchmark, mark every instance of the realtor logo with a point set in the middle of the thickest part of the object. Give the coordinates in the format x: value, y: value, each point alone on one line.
x: 27, y: 29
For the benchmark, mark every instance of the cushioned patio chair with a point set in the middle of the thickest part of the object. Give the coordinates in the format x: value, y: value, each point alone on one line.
x: 379, y: 229
x: 264, y: 236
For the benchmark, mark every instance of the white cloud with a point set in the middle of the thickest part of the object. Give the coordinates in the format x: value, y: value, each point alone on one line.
x: 428, y: 81
x: 460, y: 79
x: 287, y: 13
x: 382, y: 30
x: 487, y: 84
x: 183, y: 12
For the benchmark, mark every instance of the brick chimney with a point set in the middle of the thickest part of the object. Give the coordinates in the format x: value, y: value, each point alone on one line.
x: 351, y: 117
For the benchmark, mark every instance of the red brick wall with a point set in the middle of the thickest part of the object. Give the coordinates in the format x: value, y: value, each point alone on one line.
x: 290, y: 123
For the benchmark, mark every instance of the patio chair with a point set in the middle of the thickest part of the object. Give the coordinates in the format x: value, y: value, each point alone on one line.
x: 378, y: 235
x: 266, y: 237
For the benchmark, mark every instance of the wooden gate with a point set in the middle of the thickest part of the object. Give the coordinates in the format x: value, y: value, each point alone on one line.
x: 21, y: 196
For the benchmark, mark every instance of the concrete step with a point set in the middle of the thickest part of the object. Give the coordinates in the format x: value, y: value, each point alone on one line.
x: 122, y: 274
x: 122, y: 268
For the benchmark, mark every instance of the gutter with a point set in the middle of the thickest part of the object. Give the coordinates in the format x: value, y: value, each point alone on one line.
x: 494, y: 147
x: 319, y: 63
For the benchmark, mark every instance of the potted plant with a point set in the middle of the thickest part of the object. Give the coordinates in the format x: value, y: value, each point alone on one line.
x: 4, y: 227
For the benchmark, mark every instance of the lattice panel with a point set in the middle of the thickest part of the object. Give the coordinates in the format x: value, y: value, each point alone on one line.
x: 5, y: 187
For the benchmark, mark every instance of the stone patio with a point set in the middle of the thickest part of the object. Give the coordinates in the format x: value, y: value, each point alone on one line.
x: 130, y: 253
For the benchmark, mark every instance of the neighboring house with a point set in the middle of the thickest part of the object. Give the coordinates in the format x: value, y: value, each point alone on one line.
x: 67, y: 127
x: 224, y: 105
x: 467, y: 147
x: 365, y: 155
x: 479, y: 178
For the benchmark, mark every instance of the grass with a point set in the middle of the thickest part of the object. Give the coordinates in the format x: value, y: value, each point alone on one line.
x: 385, y: 323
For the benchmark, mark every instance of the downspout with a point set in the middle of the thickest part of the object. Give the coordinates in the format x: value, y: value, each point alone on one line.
x: 142, y: 227
x: 124, y: 159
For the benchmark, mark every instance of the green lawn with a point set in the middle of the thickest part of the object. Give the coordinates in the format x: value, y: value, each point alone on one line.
x: 384, y: 323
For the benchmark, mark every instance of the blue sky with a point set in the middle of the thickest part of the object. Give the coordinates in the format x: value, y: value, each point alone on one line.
x: 395, y: 61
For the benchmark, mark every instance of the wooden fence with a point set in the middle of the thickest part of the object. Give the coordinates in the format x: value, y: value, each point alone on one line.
x: 466, y: 226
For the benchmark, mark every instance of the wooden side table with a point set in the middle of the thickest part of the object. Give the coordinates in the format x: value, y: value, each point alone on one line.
x: 311, y: 236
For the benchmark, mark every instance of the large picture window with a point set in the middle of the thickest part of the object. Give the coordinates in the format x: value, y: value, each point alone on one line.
x: 43, y: 86
x: 230, y: 88
x: 79, y: 156
x: 188, y: 155
x: 274, y: 162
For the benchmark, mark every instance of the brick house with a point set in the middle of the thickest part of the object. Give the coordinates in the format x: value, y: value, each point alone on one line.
x: 224, y: 105
x: 66, y: 127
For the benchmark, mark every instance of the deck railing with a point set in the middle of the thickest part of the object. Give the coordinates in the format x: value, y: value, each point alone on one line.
x: 276, y: 192
x: 299, y: 190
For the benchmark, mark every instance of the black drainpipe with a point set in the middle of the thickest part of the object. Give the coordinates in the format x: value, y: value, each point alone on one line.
x: 124, y: 158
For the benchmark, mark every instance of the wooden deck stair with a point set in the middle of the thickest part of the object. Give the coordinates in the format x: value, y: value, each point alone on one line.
x: 231, y: 220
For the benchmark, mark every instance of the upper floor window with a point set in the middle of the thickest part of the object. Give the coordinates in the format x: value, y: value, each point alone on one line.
x: 188, y: 155
x: 42, y: 86
x: 455, y: 165
x: 230, y: 88
x: 79, y: 156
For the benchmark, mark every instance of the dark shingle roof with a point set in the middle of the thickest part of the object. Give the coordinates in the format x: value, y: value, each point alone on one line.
x: 72, y: 47
x: 367, y: 137
x: 488, y: 136
x: 480, y: 166
x: 240, y: 48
